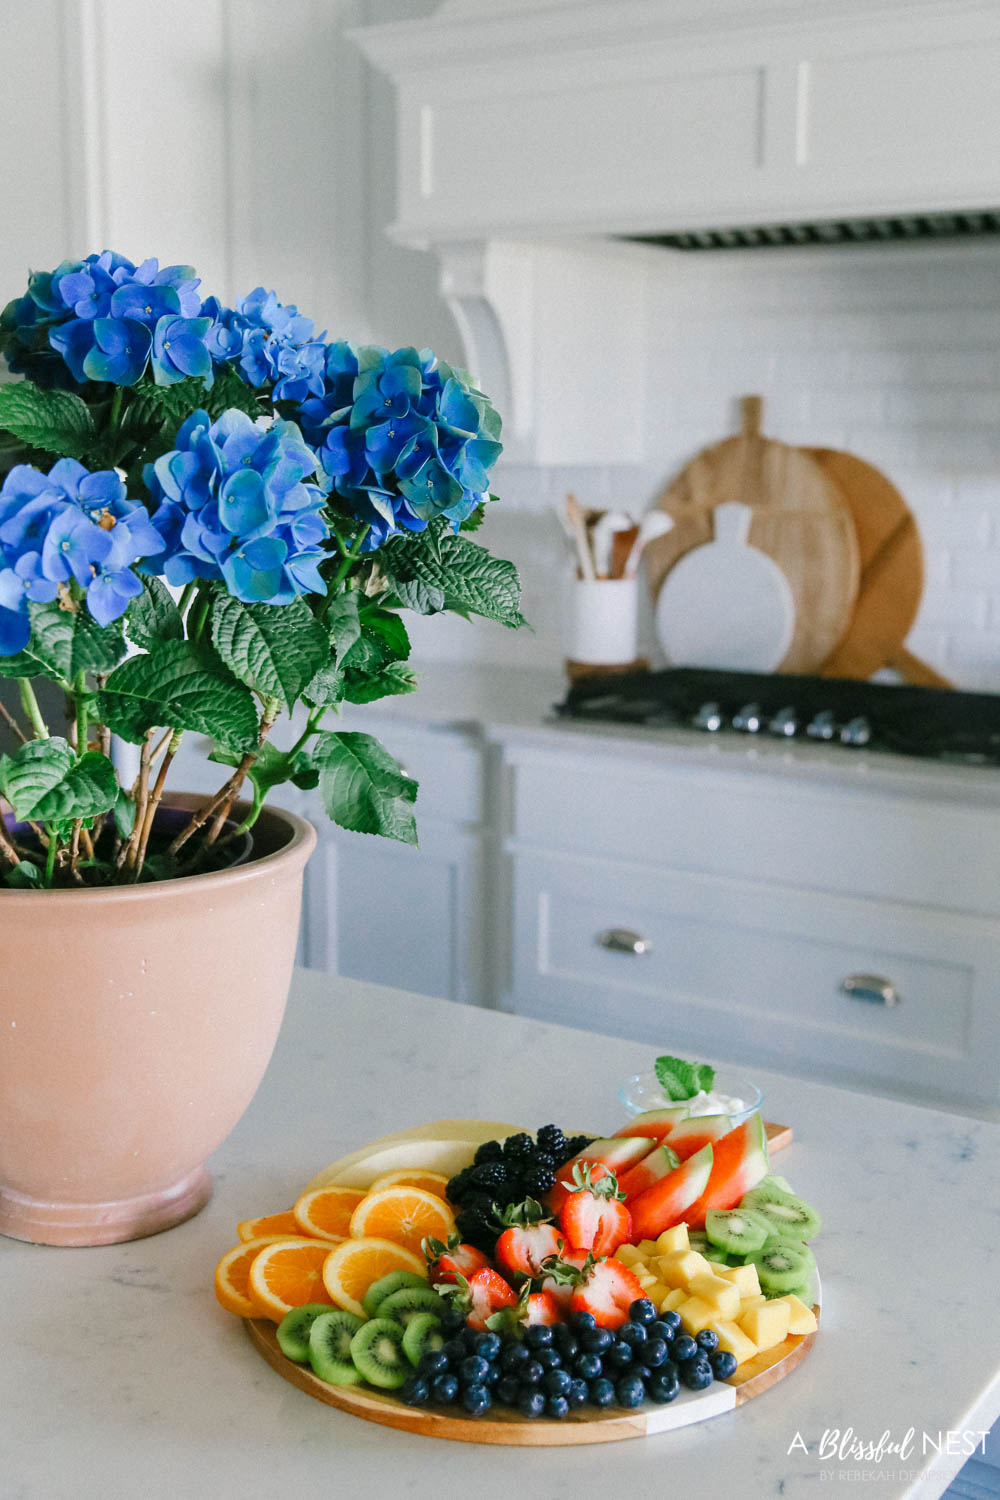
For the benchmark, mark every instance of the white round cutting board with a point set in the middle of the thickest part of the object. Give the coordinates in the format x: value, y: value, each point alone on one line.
x: 726, y: 604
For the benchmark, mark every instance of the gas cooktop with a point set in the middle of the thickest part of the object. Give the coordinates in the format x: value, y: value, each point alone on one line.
x: 938, y: 723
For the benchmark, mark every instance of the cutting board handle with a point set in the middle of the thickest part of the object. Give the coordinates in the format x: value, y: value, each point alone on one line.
x: 752, y: 408
x: 731, y: 523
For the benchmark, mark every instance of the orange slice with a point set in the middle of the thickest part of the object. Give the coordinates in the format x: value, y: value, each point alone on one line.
x: 232, y: 1276
x: 352, y: 1267
x: 326, y: 1212
x: 287, y: 1274
x: 429, y: 1182
x: 284, y: 1223
x: 404, y: 1215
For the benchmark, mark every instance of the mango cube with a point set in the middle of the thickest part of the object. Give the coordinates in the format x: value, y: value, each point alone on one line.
x: 696, y: 1314
x: 673, y: 1299
x: 648, y: 1247
x: 753, y: 1301
x: 656, y: 1292
x: 678, y: 1266
x: 629, y: 1255
x: 801, y: 1318
x: 644, y: 1278
x: 732, y: 1338
x: 744, y: 1278
x: 718, y: 1293
x: 673, y: 1239
x: 767, y: 1325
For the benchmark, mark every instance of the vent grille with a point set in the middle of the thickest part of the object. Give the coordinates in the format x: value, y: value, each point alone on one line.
x: 891, y: 229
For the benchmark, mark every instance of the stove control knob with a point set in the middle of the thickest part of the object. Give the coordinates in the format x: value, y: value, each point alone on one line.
x: 856, y: 732
x: 748, y: 719
x: 708, y: 717
x: 823, y: 726
x: 785, y: 723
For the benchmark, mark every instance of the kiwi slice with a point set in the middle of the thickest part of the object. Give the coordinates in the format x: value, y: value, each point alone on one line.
x: 773, y: 1180
x: 422, y: 1335
x: 737, y: 1231
x: 377, y: 1352
x: 785, y: 1214
x: 782, y: 1268
x: 698, y: 1240
x: 293, y: 1330
x: 783, y: 1241
x: 330, y: 1347
x: 394, y: 1282
x: 403, y: 1305
x: 715, y: 1254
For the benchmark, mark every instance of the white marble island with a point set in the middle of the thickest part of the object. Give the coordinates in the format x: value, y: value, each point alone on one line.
x: 121, y: 1377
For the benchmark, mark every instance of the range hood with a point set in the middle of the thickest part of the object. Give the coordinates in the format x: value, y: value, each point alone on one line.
x: 552, y: 153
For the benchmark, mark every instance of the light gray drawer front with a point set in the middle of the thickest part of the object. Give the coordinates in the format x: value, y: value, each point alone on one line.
x: 900, y: 848
x: 759, y: 970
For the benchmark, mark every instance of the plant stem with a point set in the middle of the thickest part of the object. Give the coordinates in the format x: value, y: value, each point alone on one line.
x: 82, y: 717
x: 30, y: 705
x: 13, y: 725
x: 6, y: 847
x: 220, y: 804
x: 50, y: 860
x: 74, y: 852
x: 350, y: 557
x: 140, y: 797
x: 256, y: 808
x: 176, y: 736
x: 187, y: 594
x: 315, y: 719
x: 199, y: 614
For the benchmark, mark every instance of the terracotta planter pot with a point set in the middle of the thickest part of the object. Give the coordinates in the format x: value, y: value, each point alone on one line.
x: 135, y: 1026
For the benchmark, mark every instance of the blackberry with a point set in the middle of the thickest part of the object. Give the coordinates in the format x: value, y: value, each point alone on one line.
x: 488, y: 1151
x: 491, y: 1175
x: 538, y: 1180
x: 459, y: 1185
x: 518, y: 1147
x: 551, y: 1139
x: 576, y: 1143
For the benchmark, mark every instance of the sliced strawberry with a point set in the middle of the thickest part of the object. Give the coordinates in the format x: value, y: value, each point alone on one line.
x: 614, y: 1154
x: 563, y: 1274
x: 594, y: 1216
x: 445, y: 1263
x: 607, y: 1293
x: 488, y: 1293
x: 530, y: 1239
x: 542, y: 1307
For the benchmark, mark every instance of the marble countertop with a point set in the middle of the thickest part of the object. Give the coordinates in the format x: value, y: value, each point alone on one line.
x: 122, y: 1377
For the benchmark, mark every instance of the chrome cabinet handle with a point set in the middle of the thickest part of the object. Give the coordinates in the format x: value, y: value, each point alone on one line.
x: 624, y: 940
x: 871, y: 987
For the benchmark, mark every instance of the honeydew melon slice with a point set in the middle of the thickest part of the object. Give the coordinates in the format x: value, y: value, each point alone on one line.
x: 468, y: 1133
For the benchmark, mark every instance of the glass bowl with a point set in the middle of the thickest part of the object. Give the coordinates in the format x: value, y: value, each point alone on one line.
x: 643, y: 1092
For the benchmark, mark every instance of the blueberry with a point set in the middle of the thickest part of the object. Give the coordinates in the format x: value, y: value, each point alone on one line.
x: 643, y: 1371
x: 684, y: 1348
x: 617, y: 1357
x: 663, y: 1388
x: 589, y: 1366
x: 654, y: 1352
x: 488, y: 1346
x: 455, y: 1350
x: 642, y: 1311
x: 596, y: 1340
x: 556, y: 1382
x: 672, y: 1319
x: 470, y: 1339
x: 696, y: 1375
x: 434, y: 1362
x: 531, y: 1403
x: 577, y: 1393
x: 444, y: 1388
x: 531, y: 1373
x: 473, y: 1370
x: 548, y: 1358
x: 632, y: 1333
x: 416, y: 1391
x: 723, y: 1364
x: 557, y: 1406
x: 584, y: 1321
x: 477, y: 1400
x: 707, y: 1340
x: 602, y: 1392
x: 538, y: 1336
x: 630, y: 1391
x: 661, y: 1329
x: 564, y: 1341
x: 452, y: 1322
x: 507, y: 1390
x: 492, y: 1376
x: 513, y: 1356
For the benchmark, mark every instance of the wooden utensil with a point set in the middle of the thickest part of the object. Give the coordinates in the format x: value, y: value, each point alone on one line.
x: 892, y: 574
x: 578, y: 522
x: 800, y: 519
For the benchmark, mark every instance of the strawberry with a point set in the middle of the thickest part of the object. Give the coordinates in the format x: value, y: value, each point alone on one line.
x: 447, y: 1262
x: 542, y: 1307
x: 563, y: 1273
x: 607, y: 1292
x: 532, y: 1307
x: 529, y: 1239
x: 594, y: 1216
x: 480, y: 1295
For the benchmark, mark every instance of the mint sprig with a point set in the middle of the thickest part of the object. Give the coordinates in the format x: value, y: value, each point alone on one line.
x: 681, y: 1080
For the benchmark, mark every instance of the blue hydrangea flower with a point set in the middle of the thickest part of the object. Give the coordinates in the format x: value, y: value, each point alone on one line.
x: 238, y: 503
x: 272, y: 343
x: 69, y: 526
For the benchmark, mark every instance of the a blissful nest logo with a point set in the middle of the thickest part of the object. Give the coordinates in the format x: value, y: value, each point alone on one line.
x: 844, y: 1448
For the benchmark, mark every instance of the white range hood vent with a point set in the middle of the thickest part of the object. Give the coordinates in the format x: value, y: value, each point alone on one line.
x: 550, y: 150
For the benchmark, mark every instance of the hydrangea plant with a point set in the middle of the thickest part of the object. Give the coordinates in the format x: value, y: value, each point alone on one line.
x: 211, y: 517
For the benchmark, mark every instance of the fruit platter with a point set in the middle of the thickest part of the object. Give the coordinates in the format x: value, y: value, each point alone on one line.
x: 477, y: 1281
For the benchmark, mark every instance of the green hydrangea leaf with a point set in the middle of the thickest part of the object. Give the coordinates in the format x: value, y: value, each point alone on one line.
x: 343, y: 623
x: 153, y: 616
x: 179, y: 686
x: 45, y: 781
x: 64, y: 642
x: 276, y: 649
x: 394, y: 678
x: 363, y: 788
x: 55, y: 421
x: 24, y: 875
x: 428, y: 570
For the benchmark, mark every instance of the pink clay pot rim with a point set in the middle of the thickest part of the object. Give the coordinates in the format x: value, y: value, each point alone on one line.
x: 297, y: 850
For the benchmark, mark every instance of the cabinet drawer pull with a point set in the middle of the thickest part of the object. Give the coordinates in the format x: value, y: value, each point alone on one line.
x: 871, y: 987
x: 624, y: 940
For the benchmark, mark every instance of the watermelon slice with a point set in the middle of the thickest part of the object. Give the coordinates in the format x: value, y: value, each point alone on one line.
x: 740, y: 1162
x: 664, y: 1204
x: 655, y: 1122
x: 653, y: 1168
x: 616, y: 1155
x: 700, y: 1130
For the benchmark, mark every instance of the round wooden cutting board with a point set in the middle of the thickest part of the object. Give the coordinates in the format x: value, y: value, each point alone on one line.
x: 800, y: 520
